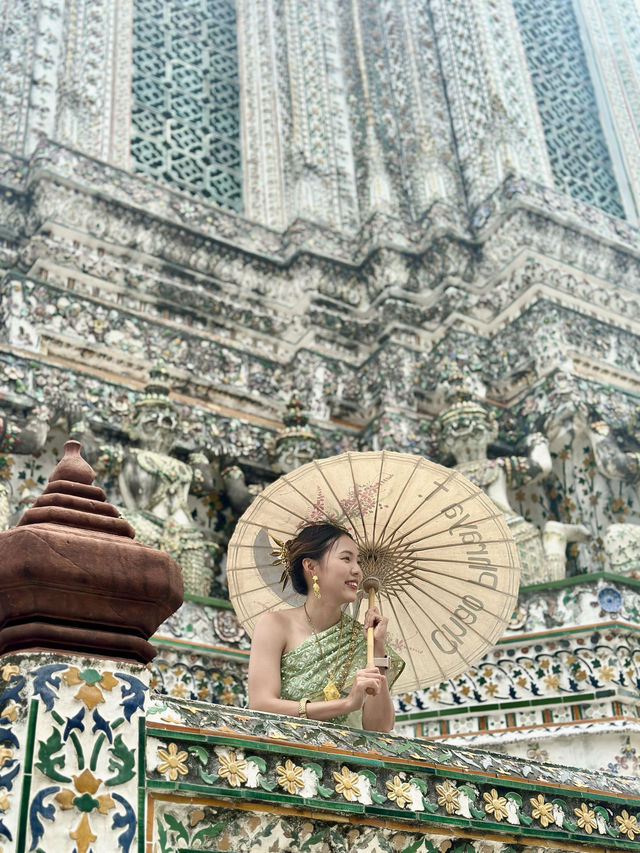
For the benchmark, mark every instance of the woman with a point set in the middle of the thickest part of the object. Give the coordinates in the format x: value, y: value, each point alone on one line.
x: 310, y: 661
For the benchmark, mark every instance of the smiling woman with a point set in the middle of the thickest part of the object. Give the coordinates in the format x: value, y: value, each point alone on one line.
x: 310, y: 661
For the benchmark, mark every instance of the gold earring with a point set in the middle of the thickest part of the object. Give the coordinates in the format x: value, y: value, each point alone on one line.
x: 316, y: 587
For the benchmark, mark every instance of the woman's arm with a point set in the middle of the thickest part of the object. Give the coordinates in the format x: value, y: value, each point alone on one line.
x: 378, y: 713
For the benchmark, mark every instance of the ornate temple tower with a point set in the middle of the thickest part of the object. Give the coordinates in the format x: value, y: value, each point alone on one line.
x: 236, y: 234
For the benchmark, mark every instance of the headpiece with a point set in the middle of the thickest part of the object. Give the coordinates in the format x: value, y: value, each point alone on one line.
x: 156, y: 391
x: 283, y: 558
x: 464, y: 412
x: 296, y: 423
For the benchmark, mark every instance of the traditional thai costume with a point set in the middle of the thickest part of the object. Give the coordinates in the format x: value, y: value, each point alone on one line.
x: 330, y: 658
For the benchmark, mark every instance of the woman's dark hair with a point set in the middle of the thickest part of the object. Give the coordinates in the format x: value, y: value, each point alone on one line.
x: 313, y: 541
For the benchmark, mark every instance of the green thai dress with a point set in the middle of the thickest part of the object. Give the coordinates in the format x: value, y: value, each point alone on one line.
x: 305, y: 670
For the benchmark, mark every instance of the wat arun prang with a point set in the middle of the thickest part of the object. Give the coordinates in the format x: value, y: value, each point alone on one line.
x: 436, y: 257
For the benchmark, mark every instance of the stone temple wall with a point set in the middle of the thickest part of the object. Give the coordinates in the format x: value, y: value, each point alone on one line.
x: 405, y: 265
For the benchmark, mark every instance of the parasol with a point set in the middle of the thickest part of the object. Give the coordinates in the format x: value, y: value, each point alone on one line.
x: 436, y: 547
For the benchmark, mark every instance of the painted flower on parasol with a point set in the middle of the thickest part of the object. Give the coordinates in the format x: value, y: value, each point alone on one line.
x: 432, y: 545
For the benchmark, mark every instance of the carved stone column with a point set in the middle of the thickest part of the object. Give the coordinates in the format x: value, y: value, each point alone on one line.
x: 493, y: 109
x: 264, y: 110
x: 610, y: 34
x: 17, y: 58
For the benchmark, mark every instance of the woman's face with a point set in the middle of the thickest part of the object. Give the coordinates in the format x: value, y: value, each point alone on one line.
x: 339, y: 573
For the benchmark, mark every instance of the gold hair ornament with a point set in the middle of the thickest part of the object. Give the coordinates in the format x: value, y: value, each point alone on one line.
x: 283, y: 558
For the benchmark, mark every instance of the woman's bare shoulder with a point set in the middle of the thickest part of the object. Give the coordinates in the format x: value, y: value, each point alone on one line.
x: 277, y: 620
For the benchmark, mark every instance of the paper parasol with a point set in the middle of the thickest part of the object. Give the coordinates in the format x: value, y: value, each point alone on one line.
x: 446, y: 564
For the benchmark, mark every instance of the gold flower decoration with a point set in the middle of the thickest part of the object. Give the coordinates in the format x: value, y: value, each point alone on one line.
x: 399, y: 791
x: 290, y: 776
x: 347, y: 784
x: 10, y: 711
x: 91, y: 695
x: 448, y: 796
x: 607, y: 673
x: 172, y: 762
x: 86, y: 782
x: 552, y: 682
x: 542, y: 810
x: 108, y: 682
x: 9, y: 670
x: 232, y: 769
x: 72, y: 676
x: 91, y: 682
x: 83, y: 835
x: 495, y: 805
x: 628, y: 824
x: 105, y: 803
x: 282, y: 558
x: 65, y: 798
x: 6, y: 754
x: 5, y: 802
x: 86, y: 785
x: 586, y: 818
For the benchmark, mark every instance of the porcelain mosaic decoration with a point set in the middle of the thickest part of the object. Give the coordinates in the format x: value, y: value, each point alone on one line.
x: 70, y: 744
x: 318, y: 768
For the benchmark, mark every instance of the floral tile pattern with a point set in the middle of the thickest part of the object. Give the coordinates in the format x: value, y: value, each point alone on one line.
x: 212, y: 753
x: 13, y: 700
x: 77, y: 725
x: 570, y: 666
x: 205, y: 677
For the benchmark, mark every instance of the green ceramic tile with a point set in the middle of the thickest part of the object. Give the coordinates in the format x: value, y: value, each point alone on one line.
x: 23, y: 815
x: 25, y: 795
x: 141, y: 827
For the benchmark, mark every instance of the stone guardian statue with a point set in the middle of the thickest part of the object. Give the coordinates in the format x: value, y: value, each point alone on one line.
x: 466, y: 431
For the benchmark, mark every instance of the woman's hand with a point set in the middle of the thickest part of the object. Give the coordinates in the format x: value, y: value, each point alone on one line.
x: 374, y: 619
x: 365, y: 680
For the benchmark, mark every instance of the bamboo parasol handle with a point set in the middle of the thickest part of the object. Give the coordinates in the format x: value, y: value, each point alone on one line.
x: 370, y: 585
x: 372, y: 603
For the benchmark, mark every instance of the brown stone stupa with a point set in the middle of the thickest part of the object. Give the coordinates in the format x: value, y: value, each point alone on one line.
x: 72, y: 577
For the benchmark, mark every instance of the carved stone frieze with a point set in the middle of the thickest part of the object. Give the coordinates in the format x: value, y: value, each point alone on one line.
x: 564, y: 667
x: 554, y: 208
x: 83, y: 111
x: 16, y: 67
x: 225, y: 747
x: 548, y: 678
x: 264, y: 78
